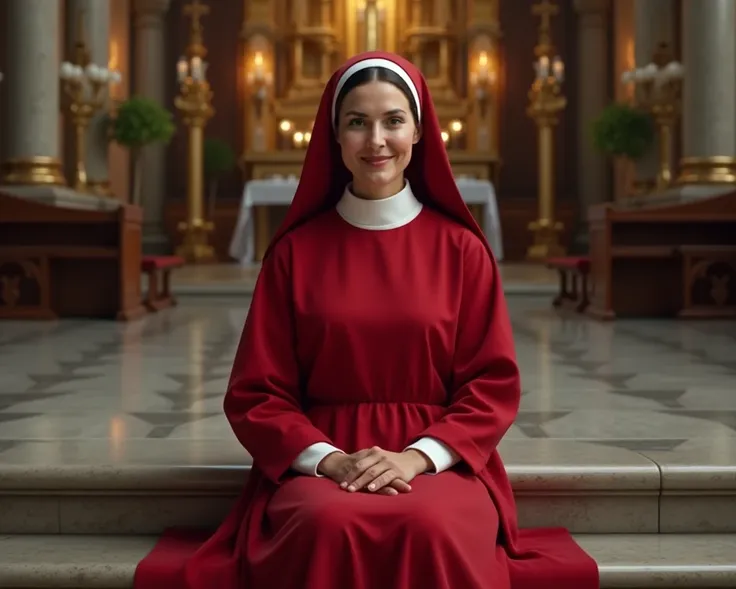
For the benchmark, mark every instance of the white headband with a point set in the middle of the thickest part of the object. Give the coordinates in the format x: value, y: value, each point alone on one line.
x: 377, y: 62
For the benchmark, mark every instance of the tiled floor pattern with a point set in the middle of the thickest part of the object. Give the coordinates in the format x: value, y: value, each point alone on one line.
x: 645, y: 386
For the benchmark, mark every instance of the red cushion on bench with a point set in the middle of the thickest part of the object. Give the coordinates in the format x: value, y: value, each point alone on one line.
x: 149, y: 263
x: 581, y: 263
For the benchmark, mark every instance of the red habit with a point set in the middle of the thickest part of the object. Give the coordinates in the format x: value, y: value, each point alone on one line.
x: 361, y: 338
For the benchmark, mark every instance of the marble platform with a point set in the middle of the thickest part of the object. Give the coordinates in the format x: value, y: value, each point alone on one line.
x: 110, y: 432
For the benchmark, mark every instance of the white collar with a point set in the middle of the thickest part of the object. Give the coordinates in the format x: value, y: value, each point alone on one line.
x: 385, y: 213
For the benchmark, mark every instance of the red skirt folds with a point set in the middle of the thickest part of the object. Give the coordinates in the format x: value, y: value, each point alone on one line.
x: 452, y: 531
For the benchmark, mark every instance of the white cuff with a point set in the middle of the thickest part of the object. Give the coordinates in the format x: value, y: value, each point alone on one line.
x: 438, y: 453
x: 309, y: 459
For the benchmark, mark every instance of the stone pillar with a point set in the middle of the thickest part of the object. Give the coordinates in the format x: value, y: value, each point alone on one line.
x: 150, y: 76
x: 709, y: 91
x: 31, y: 89
x: 592, y: 97
x: 654, y: 22
x: 95, y: 20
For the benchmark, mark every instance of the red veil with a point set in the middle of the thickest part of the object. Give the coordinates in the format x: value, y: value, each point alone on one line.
x: 324, y: 175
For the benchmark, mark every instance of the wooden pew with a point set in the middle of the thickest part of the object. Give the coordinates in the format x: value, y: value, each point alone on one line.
x: 61, y: 262
x: 643, y: 254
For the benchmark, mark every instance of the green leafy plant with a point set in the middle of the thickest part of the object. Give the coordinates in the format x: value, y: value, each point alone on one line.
x: 219, y: 158
x: 137, y: 123
x: 623, y: 131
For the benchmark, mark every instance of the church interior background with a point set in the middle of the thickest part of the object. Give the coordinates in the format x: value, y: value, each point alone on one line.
x: 595, y: 142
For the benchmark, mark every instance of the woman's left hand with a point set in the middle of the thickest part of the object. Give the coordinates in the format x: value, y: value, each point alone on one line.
x: 380, y: 467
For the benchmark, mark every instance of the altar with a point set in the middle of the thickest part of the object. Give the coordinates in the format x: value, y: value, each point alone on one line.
x: 283, y: 83
x: 252, y: 230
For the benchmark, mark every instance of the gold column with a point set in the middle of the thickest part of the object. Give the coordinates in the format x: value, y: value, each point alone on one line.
x: 546, y: 102
x: 195, y: 103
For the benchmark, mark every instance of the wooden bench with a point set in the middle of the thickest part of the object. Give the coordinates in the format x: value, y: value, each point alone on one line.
x: 641, y: 251
x: 158, y: 270
x: 573, y: 272
x: 58, y: 262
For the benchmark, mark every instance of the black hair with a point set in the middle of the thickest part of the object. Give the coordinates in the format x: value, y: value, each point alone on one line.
x: 375, y: 74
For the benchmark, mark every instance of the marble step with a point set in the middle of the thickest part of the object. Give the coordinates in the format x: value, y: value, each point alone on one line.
x: 142, y: 486
x: 639, y: 561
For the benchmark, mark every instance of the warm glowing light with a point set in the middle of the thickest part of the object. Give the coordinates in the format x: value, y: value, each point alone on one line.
x: 445, y: 136
x: 630, y: 54
x: 114, y: 60
x: 258, y: 59
x: 456, y: 126
x: 285, y: 126
x: 483, y: 59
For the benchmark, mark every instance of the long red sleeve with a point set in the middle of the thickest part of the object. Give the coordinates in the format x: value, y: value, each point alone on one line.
x: 263, y: 397
x: 486, y: 392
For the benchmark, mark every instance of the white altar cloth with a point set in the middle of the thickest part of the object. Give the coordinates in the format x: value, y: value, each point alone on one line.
x: 280, y: 192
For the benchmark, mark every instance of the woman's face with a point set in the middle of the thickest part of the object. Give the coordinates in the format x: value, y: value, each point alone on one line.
x: 376, y: 133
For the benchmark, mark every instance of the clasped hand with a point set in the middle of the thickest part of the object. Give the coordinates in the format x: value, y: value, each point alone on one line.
x: 375, y: 470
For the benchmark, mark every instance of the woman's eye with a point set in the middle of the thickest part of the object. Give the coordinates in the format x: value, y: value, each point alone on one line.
x: 396, y: 121
x: 355, y: 122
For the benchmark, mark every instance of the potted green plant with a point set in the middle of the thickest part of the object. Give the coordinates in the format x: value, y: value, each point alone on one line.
x: 622, y: 130
x: 219, y: 158
x: 137, y: 123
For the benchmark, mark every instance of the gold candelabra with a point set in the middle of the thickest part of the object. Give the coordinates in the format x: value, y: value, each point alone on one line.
x: 195, y: 103
x: 86, y: 86
x: 658, y: 91
x: 546, y: 103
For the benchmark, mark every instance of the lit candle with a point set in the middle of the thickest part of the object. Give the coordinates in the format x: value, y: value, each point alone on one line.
x: 544, y: 66
x: 258, y: 66
x: 182, y: 69
x: 558, y: 69
x: 197, y: 69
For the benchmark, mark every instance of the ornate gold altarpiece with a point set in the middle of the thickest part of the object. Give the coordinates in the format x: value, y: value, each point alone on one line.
x: 291, y: 47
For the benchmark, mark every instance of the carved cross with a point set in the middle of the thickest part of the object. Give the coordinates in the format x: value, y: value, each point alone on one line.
x: 545, y: 10
x: 196, y: 11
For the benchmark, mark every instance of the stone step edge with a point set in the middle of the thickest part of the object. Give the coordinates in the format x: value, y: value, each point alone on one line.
x: 229, y: 479
x: 634, y: 561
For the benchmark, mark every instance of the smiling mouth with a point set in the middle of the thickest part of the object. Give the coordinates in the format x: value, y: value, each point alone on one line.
x: 377, y: 161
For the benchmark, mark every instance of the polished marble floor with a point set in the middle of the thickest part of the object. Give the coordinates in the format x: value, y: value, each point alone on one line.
x: 646, y: 386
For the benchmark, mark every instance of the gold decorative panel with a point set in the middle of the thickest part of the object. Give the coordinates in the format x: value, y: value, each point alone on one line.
x: 291, y: 47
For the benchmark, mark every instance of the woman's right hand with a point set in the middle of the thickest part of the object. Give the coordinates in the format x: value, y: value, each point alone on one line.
x: 337, y: 465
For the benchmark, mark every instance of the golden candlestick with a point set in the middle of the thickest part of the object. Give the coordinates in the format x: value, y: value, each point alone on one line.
x: 195, y: 103
x: 658, y: 91
x: 546, y: 102
x: 86, y: 87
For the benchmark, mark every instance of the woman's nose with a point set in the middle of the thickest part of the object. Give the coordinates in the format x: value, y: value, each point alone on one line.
x: 377, y: 138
